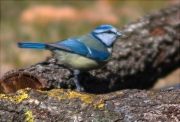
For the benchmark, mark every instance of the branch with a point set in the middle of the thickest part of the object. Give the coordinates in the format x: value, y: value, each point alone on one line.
x: 63, y: 105
x: 147, y: 50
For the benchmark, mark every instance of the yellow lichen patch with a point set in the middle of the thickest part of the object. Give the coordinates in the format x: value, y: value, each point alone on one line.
x: 87, y: 98
x: 2, y: 95
x: 18, y: 97
x: 119, y: 92
x: 106, y: 111
x: 150, y: 92
x: 96, y: 100
x: 60, y: 94
x: 101, y: 105
x: 29, y: 116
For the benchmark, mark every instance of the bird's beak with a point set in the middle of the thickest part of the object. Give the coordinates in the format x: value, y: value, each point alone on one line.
x: 118, y: 33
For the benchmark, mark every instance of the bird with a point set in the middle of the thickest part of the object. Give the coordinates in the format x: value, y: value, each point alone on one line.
x: 82, y: 53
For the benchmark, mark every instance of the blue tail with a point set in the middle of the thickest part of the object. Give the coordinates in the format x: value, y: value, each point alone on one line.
x: 31, y: 45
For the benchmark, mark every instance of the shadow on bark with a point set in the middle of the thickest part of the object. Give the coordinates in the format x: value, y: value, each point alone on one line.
x: 148, y: 50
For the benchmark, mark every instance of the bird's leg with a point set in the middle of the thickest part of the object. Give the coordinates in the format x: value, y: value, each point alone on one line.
x: 76, y: 80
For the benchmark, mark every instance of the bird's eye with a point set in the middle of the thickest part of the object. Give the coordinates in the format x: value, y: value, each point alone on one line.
x: 109, y: 31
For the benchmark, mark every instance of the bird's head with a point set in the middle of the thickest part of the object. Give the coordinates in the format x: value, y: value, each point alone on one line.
x: 107, y: 34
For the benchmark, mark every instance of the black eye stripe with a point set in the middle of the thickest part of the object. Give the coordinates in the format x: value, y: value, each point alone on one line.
x: 109, y: 31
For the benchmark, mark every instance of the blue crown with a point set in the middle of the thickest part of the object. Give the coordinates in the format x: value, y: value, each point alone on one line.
x: 104, y: 27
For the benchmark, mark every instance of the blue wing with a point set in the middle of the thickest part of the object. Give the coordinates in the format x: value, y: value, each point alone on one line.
x: 78, y: 47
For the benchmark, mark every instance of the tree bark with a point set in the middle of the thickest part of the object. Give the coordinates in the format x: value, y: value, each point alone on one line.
x: 63, y: 105
x: 147, y: 50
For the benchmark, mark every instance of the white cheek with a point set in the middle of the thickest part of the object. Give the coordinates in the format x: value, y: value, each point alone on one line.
x: 108, y: 39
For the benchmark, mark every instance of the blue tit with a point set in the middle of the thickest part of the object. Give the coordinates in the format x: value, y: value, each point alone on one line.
x: 82, y: 53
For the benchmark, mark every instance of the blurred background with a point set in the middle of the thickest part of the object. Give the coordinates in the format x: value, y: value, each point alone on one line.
x: 51, y: 21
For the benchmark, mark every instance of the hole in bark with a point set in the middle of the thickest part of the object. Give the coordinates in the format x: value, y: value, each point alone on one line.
x: 19, y: 80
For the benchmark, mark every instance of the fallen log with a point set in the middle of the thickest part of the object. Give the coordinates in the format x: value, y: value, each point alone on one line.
x: 63, y: 105
x: 148, y: 50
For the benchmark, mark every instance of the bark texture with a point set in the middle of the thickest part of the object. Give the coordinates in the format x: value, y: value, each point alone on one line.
x: 62, y: 105
x: 147, y: 50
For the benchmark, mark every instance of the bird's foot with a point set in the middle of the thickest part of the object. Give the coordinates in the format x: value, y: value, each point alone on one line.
x: 76, y: 80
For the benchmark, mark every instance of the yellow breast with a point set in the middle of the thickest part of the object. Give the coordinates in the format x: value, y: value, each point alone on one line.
x: 78, y: 62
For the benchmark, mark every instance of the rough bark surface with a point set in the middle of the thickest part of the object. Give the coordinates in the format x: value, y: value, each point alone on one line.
x: 62, y: 105
x: 148, y: 50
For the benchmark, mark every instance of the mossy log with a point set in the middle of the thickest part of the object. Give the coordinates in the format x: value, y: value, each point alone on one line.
x: 69, y: 106
x: 148, y: 49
